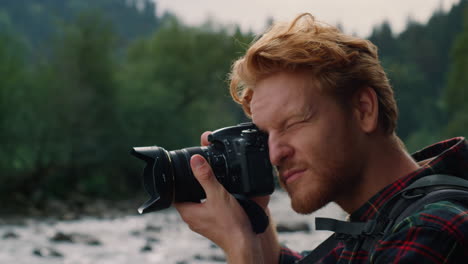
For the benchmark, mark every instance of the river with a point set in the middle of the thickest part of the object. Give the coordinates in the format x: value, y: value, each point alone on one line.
x: 159, y: 237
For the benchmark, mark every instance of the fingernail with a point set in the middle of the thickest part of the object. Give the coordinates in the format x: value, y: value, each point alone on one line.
x: 197, y: 161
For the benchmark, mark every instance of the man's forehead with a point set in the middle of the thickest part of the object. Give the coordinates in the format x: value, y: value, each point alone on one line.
x: 272, y: 106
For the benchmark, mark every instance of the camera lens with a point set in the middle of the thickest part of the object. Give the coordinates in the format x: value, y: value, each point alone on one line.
x: 167, y: 176
x: 186, y: 187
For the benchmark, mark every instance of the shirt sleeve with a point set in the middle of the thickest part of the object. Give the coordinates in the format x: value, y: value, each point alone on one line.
x: 438, y: 234
x: 288, y: 256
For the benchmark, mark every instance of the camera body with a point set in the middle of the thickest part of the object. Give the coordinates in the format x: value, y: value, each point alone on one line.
x: 238, y: 156
x: 243, y: 151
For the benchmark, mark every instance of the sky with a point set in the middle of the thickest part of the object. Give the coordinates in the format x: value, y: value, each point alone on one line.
x: 355, y: 16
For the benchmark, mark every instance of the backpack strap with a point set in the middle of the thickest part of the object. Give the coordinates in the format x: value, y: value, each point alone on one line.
x: 320, y: 251
x: 424, y: 191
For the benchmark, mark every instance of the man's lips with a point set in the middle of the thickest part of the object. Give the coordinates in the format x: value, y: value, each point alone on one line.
x: 291, y: 175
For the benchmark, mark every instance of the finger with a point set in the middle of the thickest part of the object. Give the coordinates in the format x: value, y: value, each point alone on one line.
x: 191, y: 214
x: 205, y: 176
x: 204, y: 138
x: 261, y: 200
x: 187, y: 209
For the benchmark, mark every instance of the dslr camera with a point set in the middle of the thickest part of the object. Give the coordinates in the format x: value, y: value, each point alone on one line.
x: 238, y: 156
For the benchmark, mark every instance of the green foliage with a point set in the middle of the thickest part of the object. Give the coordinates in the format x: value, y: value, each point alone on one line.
x: 409, y: 84
x: 457, y: 86
x: 69, y: 119
x: 12, y: 93
x: 82, y: 82
x: 69, y: 114
x: 417, y: 62
x: 37, y: 20
x: 175, y: 82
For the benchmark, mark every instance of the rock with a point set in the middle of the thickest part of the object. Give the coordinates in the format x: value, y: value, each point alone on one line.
x: 135, y: 233
x: 152, y: 228
x: 213, y: 245
x: 215, y: 258
x: 152, y: 240
x: 85, y: 239
x: 218, y: 258
x: 47, y: 252
x: 293, y: 227
x: 10, y: 235
x: 146, y: 248
x: 75, y: 238
x: 61, y: 237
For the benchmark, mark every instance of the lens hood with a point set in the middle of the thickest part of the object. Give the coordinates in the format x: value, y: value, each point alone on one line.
x: 158, y: 178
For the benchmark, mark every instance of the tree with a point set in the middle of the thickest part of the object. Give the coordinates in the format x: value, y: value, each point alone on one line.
x: 174, y: 84
x: 457, y: 85
x: 37, y: 20
x: 67, y: 137
x: 12, y: 93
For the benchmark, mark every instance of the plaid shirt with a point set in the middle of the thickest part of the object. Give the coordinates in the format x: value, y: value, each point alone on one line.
x: 437, y: 234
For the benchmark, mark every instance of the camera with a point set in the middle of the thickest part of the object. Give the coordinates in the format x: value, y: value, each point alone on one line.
x: 238, y: 156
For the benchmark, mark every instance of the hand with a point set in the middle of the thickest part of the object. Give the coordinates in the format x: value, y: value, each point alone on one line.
x: 260, y: 200
x: 220, y: 218
x: 221, y: 212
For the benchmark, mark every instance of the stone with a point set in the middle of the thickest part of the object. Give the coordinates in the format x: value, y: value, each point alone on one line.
x: 75, y: 238
x: 153, y: 228
x: 215, y: 258
x: 146, y: 248
x: 152, y: 240
x: 213, y: 245
x: 135, y: 233
x: 293, y: 227
x: 10, y: 235
x: 61, y: 237
x: 47, y: 252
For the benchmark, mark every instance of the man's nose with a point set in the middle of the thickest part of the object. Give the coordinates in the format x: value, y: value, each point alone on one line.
x: 279, y: 150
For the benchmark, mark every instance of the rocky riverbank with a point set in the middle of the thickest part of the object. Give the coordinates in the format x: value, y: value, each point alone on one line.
x: 124, y: 237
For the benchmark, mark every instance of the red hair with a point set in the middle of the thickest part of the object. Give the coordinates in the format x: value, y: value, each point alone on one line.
x: 341, y: 63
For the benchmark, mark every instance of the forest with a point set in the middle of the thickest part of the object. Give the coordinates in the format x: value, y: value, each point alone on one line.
x: 83, y: 81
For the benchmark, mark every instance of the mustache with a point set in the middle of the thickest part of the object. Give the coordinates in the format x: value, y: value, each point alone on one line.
x: 280, y: 170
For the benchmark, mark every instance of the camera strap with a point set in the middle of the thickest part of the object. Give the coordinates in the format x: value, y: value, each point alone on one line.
x: 257, y: 216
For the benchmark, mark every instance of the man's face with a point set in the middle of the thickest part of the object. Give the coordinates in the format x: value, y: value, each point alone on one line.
x: 313, y: 141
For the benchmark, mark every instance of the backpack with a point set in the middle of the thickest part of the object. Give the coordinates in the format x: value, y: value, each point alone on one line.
x: 410, y: 200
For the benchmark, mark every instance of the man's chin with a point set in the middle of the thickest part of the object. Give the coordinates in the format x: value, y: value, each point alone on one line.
x: 302, y: 208
x: 306, y: 203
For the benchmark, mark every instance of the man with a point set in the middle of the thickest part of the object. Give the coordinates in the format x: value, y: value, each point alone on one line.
x: 328, y: 108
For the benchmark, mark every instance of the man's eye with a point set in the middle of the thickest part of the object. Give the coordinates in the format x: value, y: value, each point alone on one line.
x: 292, y: 125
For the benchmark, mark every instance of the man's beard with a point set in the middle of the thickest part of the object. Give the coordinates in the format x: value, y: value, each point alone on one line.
x: 308, y: 196
x: 308, y: 203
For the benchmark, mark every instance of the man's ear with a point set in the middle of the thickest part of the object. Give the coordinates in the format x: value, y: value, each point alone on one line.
x: 366, y: 109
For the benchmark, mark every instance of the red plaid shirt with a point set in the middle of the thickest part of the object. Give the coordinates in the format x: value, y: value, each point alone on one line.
x: 437, y: 234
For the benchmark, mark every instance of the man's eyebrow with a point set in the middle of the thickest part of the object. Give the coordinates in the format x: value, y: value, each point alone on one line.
x: 303, y: 115
x: 275, y: 125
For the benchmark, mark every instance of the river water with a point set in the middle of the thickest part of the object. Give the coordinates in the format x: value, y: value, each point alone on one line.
x: 159, y: 237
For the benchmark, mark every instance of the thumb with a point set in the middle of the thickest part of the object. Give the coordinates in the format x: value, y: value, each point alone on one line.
x: 205, y: 176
